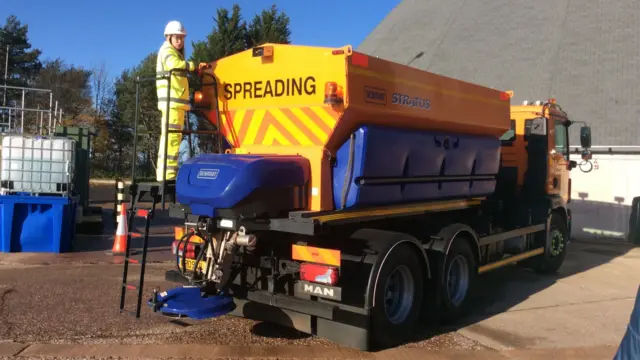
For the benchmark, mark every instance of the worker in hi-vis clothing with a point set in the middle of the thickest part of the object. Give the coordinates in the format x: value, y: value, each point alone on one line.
x: 171, y: 56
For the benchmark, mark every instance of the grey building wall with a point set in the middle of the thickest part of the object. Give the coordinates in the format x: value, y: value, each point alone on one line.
x: 585, y: 53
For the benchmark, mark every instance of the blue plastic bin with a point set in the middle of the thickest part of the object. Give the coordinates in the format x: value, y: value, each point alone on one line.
x: 37, y: 223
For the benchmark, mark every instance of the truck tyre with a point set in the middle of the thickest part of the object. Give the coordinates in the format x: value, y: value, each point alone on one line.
x: 552, y: 259
x: 398, y: 297
x: 456, y: 279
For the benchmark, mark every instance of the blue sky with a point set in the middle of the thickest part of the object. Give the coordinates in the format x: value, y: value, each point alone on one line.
x: 121, y: 33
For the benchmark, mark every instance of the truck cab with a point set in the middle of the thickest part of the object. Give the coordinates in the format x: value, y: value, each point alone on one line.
x: 549, y: 125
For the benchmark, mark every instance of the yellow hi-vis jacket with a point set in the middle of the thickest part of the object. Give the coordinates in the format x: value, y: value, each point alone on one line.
x: 170, y: 58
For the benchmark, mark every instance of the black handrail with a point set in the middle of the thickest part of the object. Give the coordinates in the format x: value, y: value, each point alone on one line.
x: 167, y: 75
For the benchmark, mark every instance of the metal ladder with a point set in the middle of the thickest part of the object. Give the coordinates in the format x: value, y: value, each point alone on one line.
x: 137, y: 192
x: 157, y: 190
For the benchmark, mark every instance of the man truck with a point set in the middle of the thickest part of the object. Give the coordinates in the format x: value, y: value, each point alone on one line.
x: 356, y: 196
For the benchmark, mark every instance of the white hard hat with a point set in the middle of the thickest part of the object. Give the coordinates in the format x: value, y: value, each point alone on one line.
x: 175, y: 28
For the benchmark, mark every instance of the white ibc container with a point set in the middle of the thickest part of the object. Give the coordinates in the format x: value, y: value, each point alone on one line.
x: 37, y: 164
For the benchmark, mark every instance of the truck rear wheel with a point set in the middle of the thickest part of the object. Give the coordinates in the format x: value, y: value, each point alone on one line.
x: 398, y: 297
x: 457, y: 278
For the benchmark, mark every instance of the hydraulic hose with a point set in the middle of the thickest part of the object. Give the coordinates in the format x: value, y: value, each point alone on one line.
x: 184, y: 237
x: 203, y: 250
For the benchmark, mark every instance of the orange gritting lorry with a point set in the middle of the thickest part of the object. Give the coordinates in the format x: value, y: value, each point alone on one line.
x: 356, y: 197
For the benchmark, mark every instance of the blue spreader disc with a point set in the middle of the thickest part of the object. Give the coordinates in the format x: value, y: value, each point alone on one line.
x: 188, y: 301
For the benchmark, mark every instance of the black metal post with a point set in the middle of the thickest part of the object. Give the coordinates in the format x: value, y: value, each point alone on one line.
x: 127, y: 254
x: 189, y: 138
x: 166, y: 139
x: 115, y: 201
x: 119, y: 198
x: 145, y: 247
x: 218, y: 118
x: 135, y: 133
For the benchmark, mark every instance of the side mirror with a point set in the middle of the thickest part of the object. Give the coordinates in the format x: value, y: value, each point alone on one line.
x: 585, y: 137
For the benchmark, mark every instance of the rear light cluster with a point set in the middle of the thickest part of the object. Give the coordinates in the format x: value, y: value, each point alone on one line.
x: 322, y: 274
x: 192, y: 249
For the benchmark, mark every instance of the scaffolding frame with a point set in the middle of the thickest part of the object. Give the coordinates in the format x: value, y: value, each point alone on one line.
x: 53, y: 113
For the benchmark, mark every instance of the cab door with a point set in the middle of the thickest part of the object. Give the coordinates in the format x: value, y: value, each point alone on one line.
x: 558, y: 179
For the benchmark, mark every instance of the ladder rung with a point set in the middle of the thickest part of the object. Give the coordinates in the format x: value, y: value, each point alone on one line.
x: 134, y: 261
x: 130, y: 287
x: 142, y: 212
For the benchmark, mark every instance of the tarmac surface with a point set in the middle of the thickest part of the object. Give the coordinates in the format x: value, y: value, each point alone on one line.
x: 66, y: 306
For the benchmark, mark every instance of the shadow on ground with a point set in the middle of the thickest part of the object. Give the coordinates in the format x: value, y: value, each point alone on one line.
x: 271, y: 330
x: 501, y: 290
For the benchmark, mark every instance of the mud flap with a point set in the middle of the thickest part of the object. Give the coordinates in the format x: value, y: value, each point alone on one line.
x: 189, y: 301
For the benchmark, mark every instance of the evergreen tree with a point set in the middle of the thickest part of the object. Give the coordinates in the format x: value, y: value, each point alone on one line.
x: 231, y: 35
x: 269, y: 27
x: 71, y: 86
x: 24, y: 62
x: 123, y: 116
x: 227, y: 37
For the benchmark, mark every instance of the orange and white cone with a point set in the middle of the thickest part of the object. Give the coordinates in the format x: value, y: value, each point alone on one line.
x: 120, y: 240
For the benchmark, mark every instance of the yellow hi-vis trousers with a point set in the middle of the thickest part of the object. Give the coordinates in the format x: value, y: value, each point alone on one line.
x: 176, y: 122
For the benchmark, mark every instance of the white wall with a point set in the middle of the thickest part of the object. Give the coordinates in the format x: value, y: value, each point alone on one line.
x: 601, y: 199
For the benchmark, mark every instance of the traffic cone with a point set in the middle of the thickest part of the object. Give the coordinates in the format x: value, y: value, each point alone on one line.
x: 120, y: 240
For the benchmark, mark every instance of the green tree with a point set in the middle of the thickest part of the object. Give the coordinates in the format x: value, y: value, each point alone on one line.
x: 123, y: 115
x: 269, y: 27
x: 24, y: 63
x: 71, y: 86
x: 227, y: 37
x: 231, y: 35
x: 113, y: 143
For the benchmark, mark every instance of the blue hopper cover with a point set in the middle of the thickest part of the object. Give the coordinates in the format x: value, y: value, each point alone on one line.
x: 220, y: 181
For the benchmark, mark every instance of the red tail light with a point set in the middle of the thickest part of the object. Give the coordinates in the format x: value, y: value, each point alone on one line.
x: 192, y: 249
x: 321, y: 274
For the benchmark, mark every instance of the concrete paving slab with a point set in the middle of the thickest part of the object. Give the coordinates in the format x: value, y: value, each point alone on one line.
x: 565, y: 326
x: 587, y: 304
x: 581, y: 353
x: 10, y: 348
x: 176, y: 351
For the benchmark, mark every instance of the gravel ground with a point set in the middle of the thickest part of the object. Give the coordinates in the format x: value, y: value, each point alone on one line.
x: 76, y: 303
x: 74, y: 298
